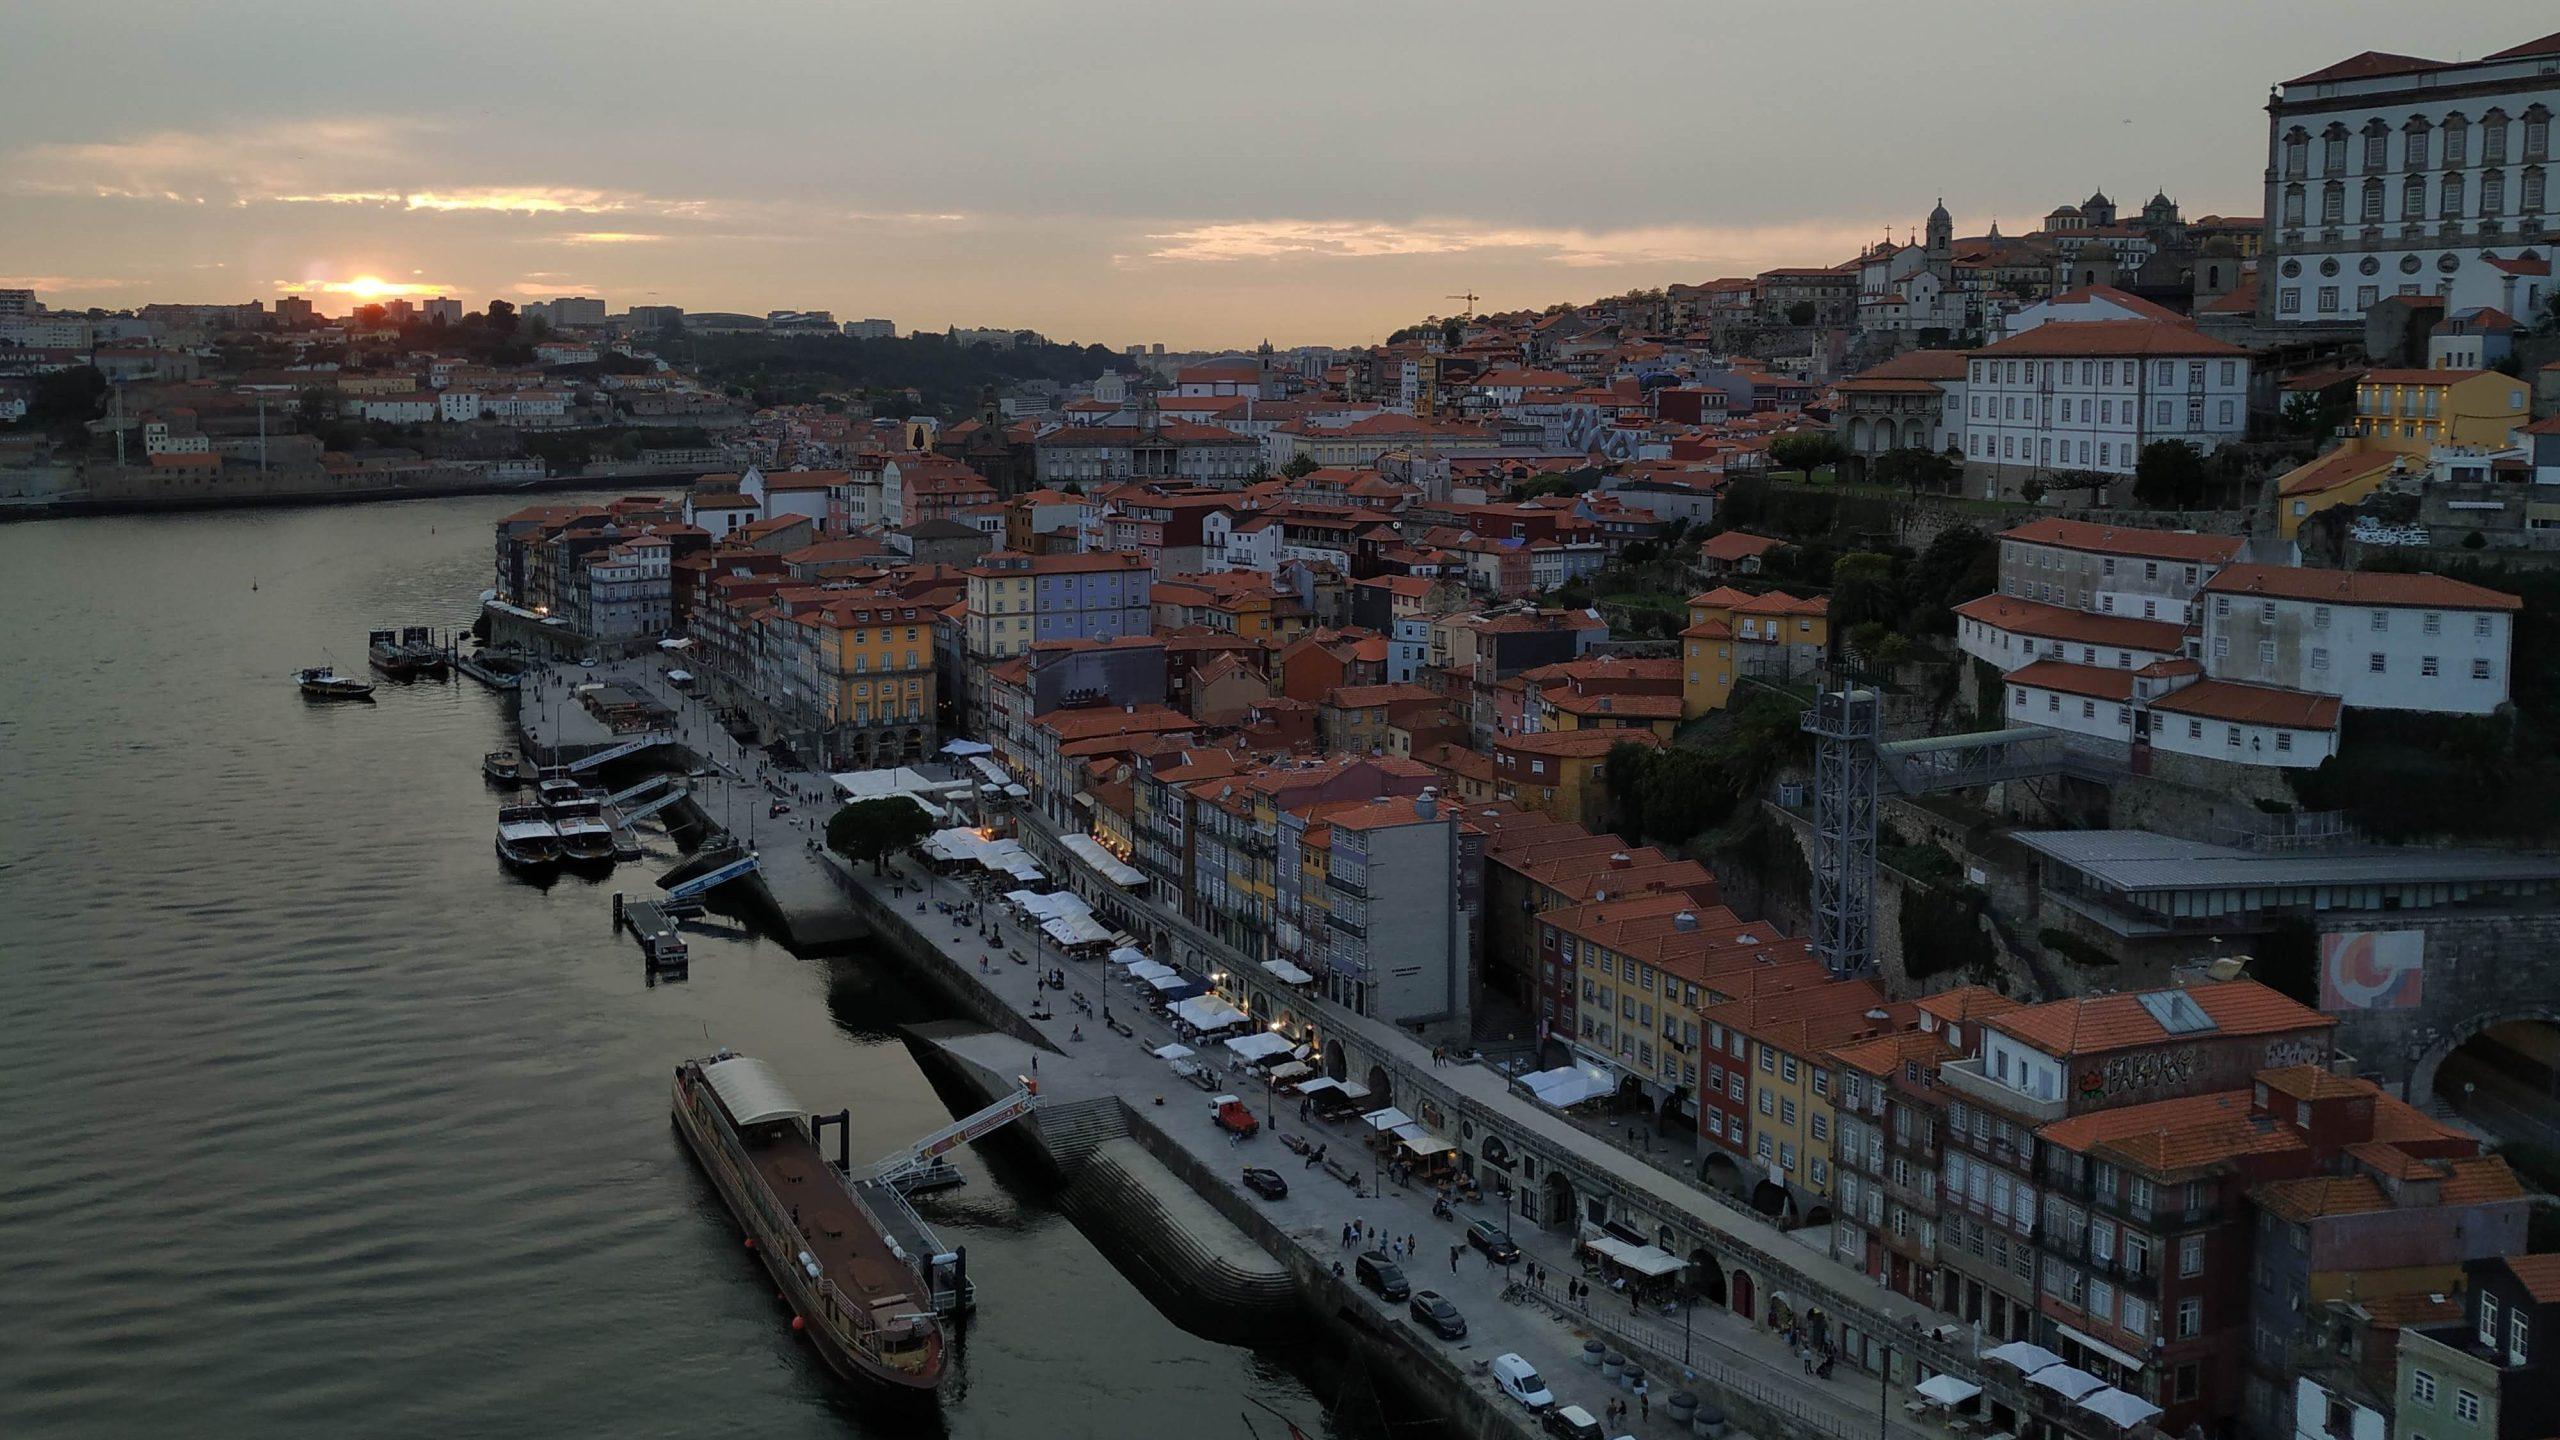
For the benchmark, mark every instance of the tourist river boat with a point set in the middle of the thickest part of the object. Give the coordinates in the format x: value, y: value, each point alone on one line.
x: 527, y: 841
x: 864, y: 1302
x: 323, y: 682
x: 509, y: 768
x: 389, y: 656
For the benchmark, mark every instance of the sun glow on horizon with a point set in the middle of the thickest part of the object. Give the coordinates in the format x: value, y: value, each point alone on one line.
x: 362, y: 287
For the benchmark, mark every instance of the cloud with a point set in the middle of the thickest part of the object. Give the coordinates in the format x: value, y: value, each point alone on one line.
x: 610, y: 237
x: 59, y: 283
x: 359, y: 161
x: 1225, y: 242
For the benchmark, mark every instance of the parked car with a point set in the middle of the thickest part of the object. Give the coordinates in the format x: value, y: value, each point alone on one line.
x: 1265, y: 1183
x: 1431, y: 1308
x: 1378, y: 1273
x: 1493, y: 1240
x: 1519, y: 1380
x: 1236, y: 1117
x: 1571, y: 1422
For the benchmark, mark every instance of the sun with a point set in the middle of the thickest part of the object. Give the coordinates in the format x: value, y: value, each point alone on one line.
x: 369, y: 287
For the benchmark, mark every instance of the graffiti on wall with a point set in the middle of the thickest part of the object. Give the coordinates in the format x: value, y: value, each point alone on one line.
x: 2373, y: 970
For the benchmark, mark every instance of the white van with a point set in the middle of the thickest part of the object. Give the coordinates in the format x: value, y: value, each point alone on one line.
x: 1519, y: 1380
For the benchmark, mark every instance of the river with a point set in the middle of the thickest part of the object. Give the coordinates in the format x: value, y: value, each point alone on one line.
x: 316, y: 1123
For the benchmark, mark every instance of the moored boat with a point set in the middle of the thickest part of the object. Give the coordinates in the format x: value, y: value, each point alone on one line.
x: 860, y: 1299
x: 426, y: 657
x: 586, y: 842
x: 389, y: 656
x: 507, y: 767
x: 527, y: 841
x: 323, y: 682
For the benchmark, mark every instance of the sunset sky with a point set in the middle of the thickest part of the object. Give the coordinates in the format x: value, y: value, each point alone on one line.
x: 1117, y: 173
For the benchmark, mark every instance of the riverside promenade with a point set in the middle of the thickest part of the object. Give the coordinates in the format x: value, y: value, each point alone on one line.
x: 1728, y: 1359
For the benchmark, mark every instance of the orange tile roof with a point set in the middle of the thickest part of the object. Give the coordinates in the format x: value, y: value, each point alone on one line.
x: 2313, y: 1082
x: 2359, y: 587
x: 2183, y: 546
x: 2166, y: 1137
x: 2319, y: 1196
x: 1580, y: 744
x: 2540, y: 1275
x: 2077, y: 338
x: 2479, y: 1180
x: 2077, y: 627
x: 2097, y: 682
x: 2094, y: 1024
x: 2252, y: 705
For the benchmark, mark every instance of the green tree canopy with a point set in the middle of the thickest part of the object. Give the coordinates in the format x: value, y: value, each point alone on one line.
x: 1805, y: 450
x: 874, y: 830
x: 1916, y: 469
x: 2170, y: 475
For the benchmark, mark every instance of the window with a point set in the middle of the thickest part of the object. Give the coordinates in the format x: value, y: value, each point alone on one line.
x: 1764, y: 1147
x: 1787, y: 1068
x: 2480, y: 626
x: 2195, y: 729
x: 2488, y: 1319
x: 2479, y: 669
x: 2422, y: 1387
x: 2191, y: 1255
x: 2517, y: 1331
x: 1768, y: 1061
x: 2319, y: 657
x: 2266, y: 652
x: 2376, y: 663
x: 1786, y: 1112
x: 2190, y: 1318
x: 2466, y: 1407
x: 1768, y: 1102
x: 2427, y: 665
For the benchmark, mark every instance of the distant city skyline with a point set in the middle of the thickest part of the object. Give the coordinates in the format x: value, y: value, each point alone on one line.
x: 1312, y: 174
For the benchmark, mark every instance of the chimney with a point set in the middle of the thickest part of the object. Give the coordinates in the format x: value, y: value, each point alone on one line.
x: 1684, y: 921
x: 1426, y: 805
x: 1620, y: 860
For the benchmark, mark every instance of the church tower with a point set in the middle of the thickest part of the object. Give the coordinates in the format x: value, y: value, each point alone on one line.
x: 1942, y: 232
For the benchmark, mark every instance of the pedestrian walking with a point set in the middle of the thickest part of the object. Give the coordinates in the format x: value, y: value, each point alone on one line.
x: 1644, y: 1402
x: 1453, y: 1258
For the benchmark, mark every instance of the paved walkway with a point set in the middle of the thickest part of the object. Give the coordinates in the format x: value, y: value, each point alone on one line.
x: 1726, y: 1353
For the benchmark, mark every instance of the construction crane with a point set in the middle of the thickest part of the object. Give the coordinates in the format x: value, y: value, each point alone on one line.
x: 1470, y: 297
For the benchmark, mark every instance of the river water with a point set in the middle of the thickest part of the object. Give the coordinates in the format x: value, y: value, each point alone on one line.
x: 314, y: 1122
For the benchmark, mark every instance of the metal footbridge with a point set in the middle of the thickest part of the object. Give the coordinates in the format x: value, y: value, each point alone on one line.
x: 1989, y: 757
x: 611, y: 753
x: 712, y: 879
x: 631, y: 806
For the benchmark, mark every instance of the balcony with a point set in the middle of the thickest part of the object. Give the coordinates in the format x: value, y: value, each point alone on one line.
x: 1966, y: 1078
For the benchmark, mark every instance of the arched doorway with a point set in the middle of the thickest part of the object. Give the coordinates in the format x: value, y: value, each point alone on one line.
x: 1771, y: 1199
x: 1743, y: 1294
x: 1559, y: 1204
x: 1706, y: 1275
x: 1336, y: 1065
x: 1381, y: 1092
x: 1722, y: 1172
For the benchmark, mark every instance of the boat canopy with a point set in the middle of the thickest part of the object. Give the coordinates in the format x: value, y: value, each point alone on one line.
x: 750, y: 1091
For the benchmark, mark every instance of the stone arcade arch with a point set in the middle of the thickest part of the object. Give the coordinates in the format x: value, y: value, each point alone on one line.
x: 2422, y: 1076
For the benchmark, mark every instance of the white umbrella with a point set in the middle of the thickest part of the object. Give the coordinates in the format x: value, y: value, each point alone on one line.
x: 1172, y: 1052
x: 2066, y: 1382
x: 1946, y: 1390
x: 2124, y: 1410
x: 2025, y: 1356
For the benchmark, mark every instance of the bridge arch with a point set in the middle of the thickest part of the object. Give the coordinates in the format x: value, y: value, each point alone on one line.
x: 2422, y: 1075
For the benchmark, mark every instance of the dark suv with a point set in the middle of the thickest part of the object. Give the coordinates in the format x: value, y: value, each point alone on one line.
x: 1378, y: 1273
x: 1431, y: 1308
x: 1493, y: 1240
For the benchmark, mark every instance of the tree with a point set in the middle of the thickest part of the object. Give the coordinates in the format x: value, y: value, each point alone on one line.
x: 1916, y: 469
x: 1806, y: 450
x: 502, y: 317
x: 63, y: 402
x: 1300, y: 466
x: 874, y: 830
x: 1862, y: 590
x: 2317, y: 414
x: 1801, y: 313
x: 2169, y: 475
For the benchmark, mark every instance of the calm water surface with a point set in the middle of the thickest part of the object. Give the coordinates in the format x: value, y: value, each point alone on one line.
x: 315, y: 1123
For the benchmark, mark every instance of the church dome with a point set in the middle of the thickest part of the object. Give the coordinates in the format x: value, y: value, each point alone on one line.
x: 1940, y: 216
x: 2097, y: 201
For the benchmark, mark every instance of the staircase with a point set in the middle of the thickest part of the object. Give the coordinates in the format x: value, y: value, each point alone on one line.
x: 1072, y: 1132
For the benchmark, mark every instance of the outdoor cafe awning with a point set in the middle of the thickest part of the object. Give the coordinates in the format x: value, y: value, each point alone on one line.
x: 1166, y: 981
x: 1286, y: 973
x: 1567, y: 1086
x: 2097, y: 1346
x: 1387, y: 1119
x: 966, y: 747
x: 1422, y: 1142
x: 1172, y: 1052
x: 1947, y: 1390
x: 1149, y: 970
x: 1312, y: 1086
x: 1076, y: 929
x: 2122, y: 1409
x: 1295, y: 1069
x: 1127, y: 956
x: 1645, y: 1260
x: 1259, y: 1044
x: 2067, y: 1382
x: 1207, y: 1012
x: 1104, y: 863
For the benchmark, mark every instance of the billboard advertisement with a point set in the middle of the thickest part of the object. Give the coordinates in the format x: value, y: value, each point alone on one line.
x: 2373, y: 970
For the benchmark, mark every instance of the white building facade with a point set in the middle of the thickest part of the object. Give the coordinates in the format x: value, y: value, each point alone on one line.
x: 2394, y: 175
x: 2374, y: 640
x: 2088, y: 395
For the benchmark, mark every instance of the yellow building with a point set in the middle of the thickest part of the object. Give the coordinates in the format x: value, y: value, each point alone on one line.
x: 1562, y: 773
x: 2415, y: 410
x: 1788, y: 1039
x: 868, y: 662
x: 1733, y: 633
x: 2344, y: 476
